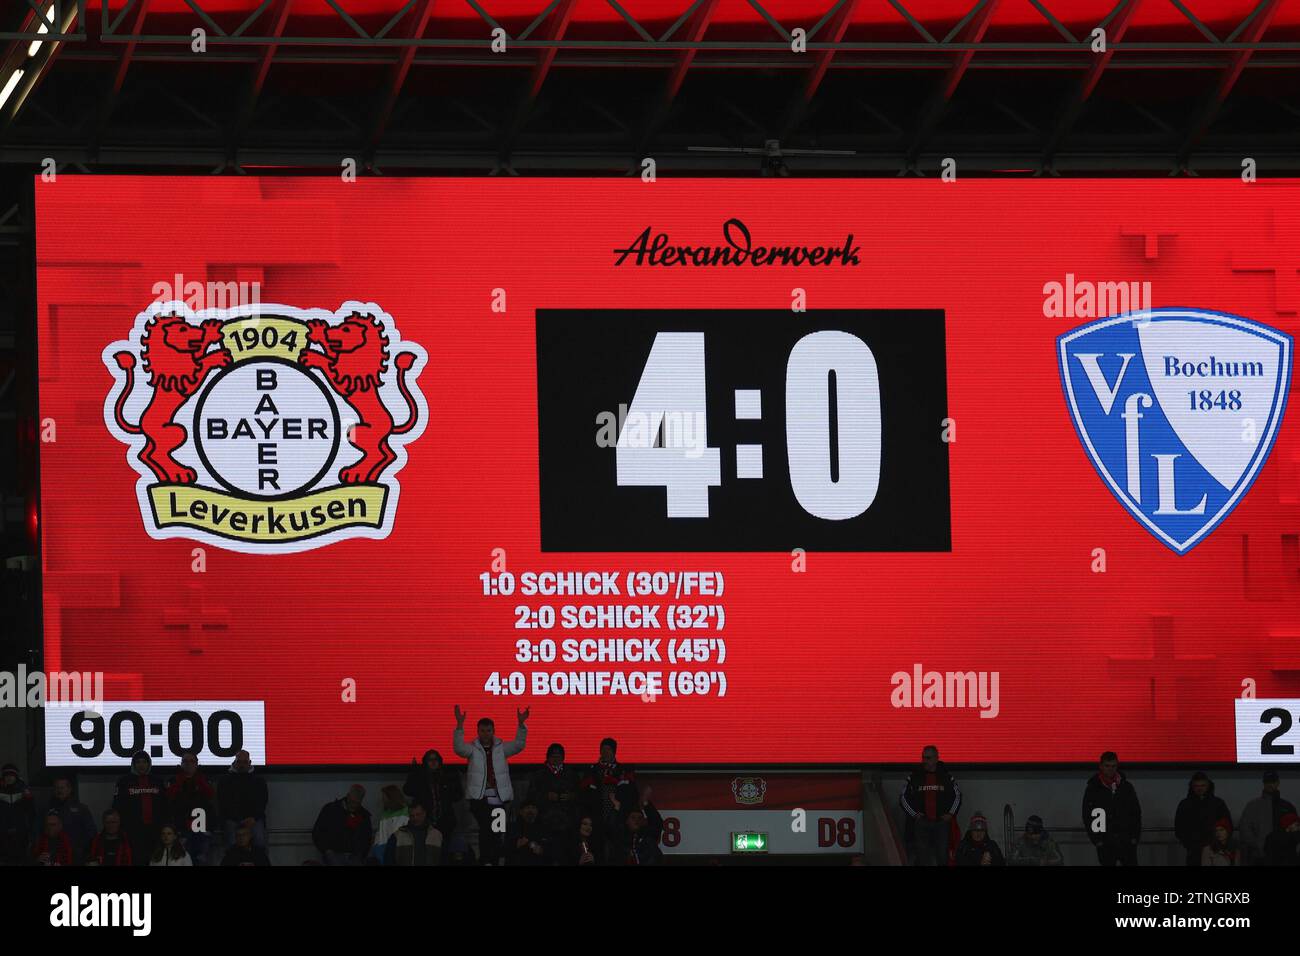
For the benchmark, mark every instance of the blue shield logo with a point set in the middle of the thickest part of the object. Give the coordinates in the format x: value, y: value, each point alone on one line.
x: 1178, y: 410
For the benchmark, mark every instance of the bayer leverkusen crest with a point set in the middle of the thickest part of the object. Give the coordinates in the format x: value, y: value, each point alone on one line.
x: 1178, y: 410
x: 266, y: 429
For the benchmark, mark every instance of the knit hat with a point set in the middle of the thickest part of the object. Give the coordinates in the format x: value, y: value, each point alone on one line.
x: 1034, y: 824
x: 978, y: 821
x: 1287, y: 820
x: 1270, y: 776
x: 1223, y: 822
x: 9, y: 768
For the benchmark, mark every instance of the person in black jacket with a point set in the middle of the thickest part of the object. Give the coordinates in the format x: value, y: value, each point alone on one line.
x: 242, y: 796
x: 555, y: 788
x: 140, y: 799
x: 1197, y: 815
x: 611, y: 793
x: 931, y: 799
x: 977, y: 848
x: 582, y: 847
x: 437, y: 790
x: 642, y: 830
x: 17, y: 817
x: 78, y: 821
x: 110, y: 847
x: 189, y: 802
x: 343, y: 832
x: 526, y: 840
x: 1112, y: 815
x: 243, y: 853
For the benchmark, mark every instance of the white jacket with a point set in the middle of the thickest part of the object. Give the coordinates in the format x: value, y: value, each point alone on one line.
x: 476, y: 772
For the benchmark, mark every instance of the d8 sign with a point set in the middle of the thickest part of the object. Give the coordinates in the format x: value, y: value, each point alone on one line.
x: 743, y: 430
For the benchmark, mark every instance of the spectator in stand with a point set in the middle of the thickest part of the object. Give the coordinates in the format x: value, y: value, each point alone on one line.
x: 555, y: 788
x: 1197, y: 815
x: 526, y: 839
x: 437, y: 790
x: 243, y: 852
x: 139, y: 798
x: 488, y: 777
x: 977, y: 848
x: 642, y: 829
x: 931, y: 799
x: 242, y: 796
x: 583, y: 847
x: 170, y: 851
x: 1112, y: 814
x: 1220, y: 851
x: 611, y: 795
x: 394, y: 814
x: 17, y: 817
x: 1282, y: 848
x: 78, y: 821
x: 1036, y: 847
x: 53, y: 848
x: 190, y: 797
x: 416, y: 843
x: 110, y: 847
x: 1261, y: 817
x: 343, y: 831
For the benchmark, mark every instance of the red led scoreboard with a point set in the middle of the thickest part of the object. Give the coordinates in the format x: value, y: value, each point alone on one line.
x: 779, y: 472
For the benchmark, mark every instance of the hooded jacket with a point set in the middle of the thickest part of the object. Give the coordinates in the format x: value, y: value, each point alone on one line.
x: 476, y: 756
x: 1123, y: 810
x: 140, y: 799
x: 1196, y: 816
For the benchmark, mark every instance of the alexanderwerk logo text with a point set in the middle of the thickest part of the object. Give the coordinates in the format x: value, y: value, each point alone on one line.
x: 738, y: 250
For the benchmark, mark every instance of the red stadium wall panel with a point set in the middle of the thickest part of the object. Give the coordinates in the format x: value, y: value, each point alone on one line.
x: 736, y: 471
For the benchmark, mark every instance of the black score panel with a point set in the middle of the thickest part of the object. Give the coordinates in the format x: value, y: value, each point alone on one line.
x: 742, y: 430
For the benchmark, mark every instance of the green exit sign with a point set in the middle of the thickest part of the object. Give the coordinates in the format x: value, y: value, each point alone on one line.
x: 749, y: 843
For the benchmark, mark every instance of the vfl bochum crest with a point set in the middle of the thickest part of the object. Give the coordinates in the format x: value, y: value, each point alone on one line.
x: 1178, y: 410
x: 266, y: 429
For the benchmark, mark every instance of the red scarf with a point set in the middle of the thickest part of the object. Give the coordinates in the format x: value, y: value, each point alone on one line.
x: 60, y: 853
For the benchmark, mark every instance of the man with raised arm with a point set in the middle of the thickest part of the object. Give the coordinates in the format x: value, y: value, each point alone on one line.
x: 487, y: 777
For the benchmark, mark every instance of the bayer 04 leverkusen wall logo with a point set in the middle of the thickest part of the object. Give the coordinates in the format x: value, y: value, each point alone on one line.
x: 266, y: 429
x: 1178, y: 410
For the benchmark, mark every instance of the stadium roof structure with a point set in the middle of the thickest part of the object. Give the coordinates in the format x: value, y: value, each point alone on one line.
x: 802, y: 87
